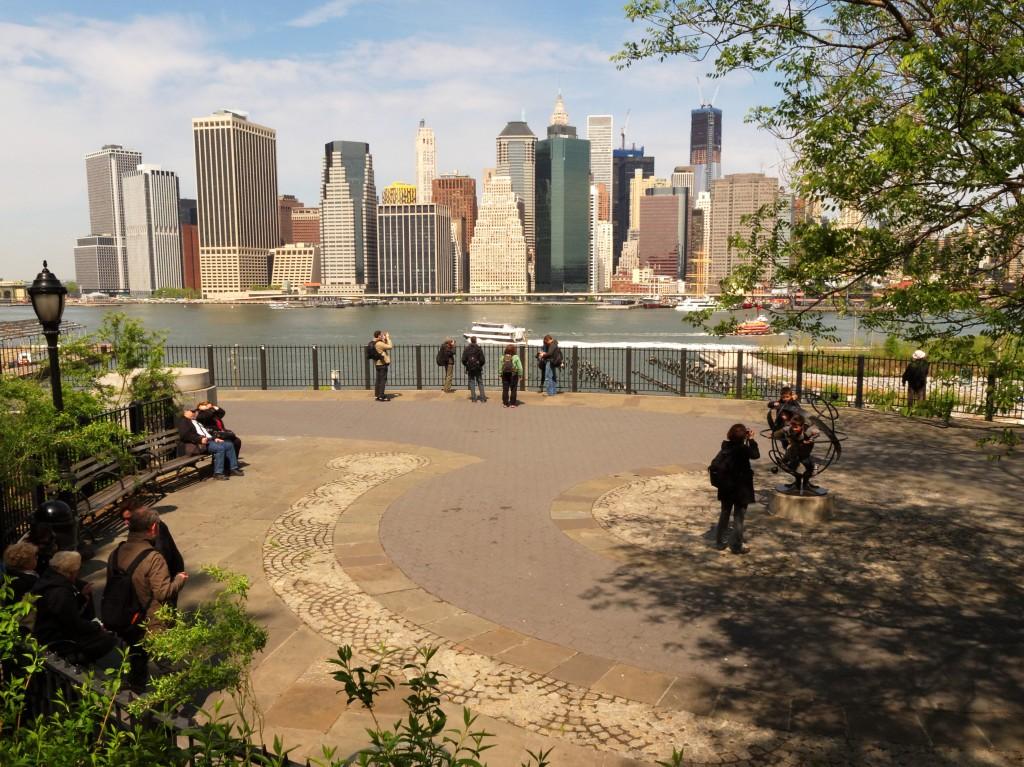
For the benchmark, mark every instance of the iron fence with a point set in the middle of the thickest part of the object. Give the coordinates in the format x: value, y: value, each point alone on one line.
x: 843, y: 378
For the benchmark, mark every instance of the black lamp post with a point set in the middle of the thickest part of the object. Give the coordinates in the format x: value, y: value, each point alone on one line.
x: 47, y: 294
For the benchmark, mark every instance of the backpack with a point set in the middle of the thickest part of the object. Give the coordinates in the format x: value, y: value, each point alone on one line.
x: 475, y: 360
x: 442, y: 356
x: 556, y: 358
x: 719, y: 471
x: 507, y: 366
x: 121, y: 606
x: 371, y: 351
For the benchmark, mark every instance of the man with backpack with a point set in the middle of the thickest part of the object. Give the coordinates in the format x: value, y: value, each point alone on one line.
x: 138, y: 584
x: 446, y: 360
x: 511, y: 370
x: 473, y: 360
x: 378, y: 350
x: 731, y: 474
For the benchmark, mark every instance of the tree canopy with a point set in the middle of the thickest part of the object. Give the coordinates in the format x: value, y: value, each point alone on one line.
x: 909, y: 112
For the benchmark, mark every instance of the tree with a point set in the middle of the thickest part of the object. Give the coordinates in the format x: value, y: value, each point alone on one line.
x: 910, y: 112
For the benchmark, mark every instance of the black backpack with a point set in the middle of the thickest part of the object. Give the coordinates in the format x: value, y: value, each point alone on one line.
x: 556, y: 358
x: 442, y: 356
x: 475, y: 360
x: 719, y: 471
x: 371, y: 351
x: 507, y: 365
x: 121, y: 606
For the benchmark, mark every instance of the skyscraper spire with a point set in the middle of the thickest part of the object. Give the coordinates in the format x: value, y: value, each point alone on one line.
x: 559, y: 116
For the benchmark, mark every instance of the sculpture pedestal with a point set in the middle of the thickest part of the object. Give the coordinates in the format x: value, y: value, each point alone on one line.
x: 193, y: 384
x: 806, y: 509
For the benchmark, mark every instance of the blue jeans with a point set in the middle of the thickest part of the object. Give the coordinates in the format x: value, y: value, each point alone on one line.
x: 549, y: 379
x: 220, y: 449
x: 478, y: 380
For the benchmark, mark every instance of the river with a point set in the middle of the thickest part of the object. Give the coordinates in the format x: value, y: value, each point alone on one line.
x: 215, y: 324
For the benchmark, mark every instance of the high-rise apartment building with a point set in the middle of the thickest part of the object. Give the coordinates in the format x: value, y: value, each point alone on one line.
x: 563, y: 208
x: 236, y: 180
x: 296, y: 265
x: 625, y: 162
x: 498, y: 264
x: 458, y: 194
x: 706, y: 145
x: 600, y: 272
x: 734, y: 197
x: 306, y: 225
x: 348, y: 219
x: 415, y: 249
x: 188, y: 219
x: 426, y: 163
x: 399, y: 193
x: 664, y: 231
x: 152, y: 229
x: 286, y: 204
x: 97, y: 259
x: 104, y: 171
x: 517, y: 160
x: 599, y: 134
x: 638, y: 186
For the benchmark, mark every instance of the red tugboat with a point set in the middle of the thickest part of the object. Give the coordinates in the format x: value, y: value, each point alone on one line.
x: 758, y: 327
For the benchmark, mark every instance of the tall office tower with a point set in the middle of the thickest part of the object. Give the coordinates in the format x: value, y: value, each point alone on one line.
x: 306, y: 225
x: 599, y: 133
x: 684, y: 177
x: 624, y: 164
x: 104, y: 171
x: 600, y: 271
x: 486, y: 175
x: 286, y: 205
x: 348, y: 219
x: 563, y: 208
x: 236, y: 179
x: 415, y: 249
x: 188, y: 220
x: 297, y: 265
x: 399, y: 193
x: 97, y: 260
x: 152, y: 229
x: 732, y: 198
x: 664, y: 231
x: 498, y: 245
x: 458, y: 194
x: 638, y: 186
x: 700, y: 244
x: 706, y: 145
x: 517, y: 148
x: 426, y: 163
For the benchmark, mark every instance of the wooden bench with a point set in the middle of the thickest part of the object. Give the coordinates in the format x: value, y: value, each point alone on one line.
x: 163, y: 454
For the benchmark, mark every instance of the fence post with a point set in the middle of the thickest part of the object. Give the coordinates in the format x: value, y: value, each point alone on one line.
x: 682, y: 372
x: 575, y: 369
x: 419, y: 367
x: 136, y: 418
x: 629, y: 370
x: 799, y: 373
x: 316, y: 369
x: 990, y: 394
x: 209, y: 365
x: 263, y: 367
x: 526, y: 366
x: 859, y: 398
x: 739, y: 374
x: 366, y: 371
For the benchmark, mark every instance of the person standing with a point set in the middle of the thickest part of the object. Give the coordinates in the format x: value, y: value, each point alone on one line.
x: 473, y: 360
x: 511, y: 371
x: 553, y: 360
x: 542, y: 364
x: 736, y: 484
x: 383, y: 346
x: 916, y: 377
x: 446, y: 360
x: 196, y: 438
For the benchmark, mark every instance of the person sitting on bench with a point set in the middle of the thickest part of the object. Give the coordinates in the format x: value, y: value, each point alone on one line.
x: 196, y: 438
x: 212, y: 417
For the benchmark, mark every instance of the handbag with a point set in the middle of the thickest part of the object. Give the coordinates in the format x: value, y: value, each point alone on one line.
x: 225, y: 434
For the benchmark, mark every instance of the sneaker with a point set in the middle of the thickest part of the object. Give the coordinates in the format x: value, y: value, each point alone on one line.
x: 238, y: 472
x: 740, y: 550
x: 220, y: 476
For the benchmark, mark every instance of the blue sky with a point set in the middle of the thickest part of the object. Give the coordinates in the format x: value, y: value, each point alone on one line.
x: 80, y: 75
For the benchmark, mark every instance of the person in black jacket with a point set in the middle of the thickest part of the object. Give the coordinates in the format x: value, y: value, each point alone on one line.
x: 212, y: 417
x: 446, y: 360
x: 473, y: 360
x: 916, y: 377
x: 737, y: 492
x: 21, y: 562
x: 196, y: 438
x: 61, y: 613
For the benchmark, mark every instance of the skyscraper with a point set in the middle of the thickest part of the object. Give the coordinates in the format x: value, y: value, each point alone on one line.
x: 664, y: 230
x: 348, y: 219
x: 399, y: 193
x: 96, y: 263
x: 498, y: 246
x: 599, y: 133
x: 517, y: 159
x: 624, y: 164
x: 297, y: 265
x: 685, y: 177
x: 306, y: 225
x: 706, y: 145
x: 563, y: 208
x: 732, y: 198
x: 286, y: 204
x: 152, y: 229
x: 415, y: 249
x: 638, y: 186
x: 236, y: 181
x: 458, y: 194
x: 104, y: 171
x: 600, y: 240
x: 188, y: 219
x: 426, y: 163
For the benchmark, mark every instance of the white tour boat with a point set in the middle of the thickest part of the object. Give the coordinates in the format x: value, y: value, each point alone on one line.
x: 496, y: 333
x: 692, y: 304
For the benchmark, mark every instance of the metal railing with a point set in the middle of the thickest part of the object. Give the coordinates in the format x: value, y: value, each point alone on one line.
x: 845, y: 379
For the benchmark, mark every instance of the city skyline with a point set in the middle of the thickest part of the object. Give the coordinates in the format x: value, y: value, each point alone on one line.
x: 314, y: 80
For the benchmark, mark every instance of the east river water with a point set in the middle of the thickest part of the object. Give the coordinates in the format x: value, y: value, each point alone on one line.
x: 218, y: 325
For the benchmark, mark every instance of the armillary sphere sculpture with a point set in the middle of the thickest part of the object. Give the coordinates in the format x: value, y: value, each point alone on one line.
x: 805, y: 441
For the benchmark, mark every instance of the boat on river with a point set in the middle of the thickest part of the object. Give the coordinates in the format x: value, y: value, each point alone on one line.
x: 692, y: 304
x: 496, y: 333
x: 758, y: 327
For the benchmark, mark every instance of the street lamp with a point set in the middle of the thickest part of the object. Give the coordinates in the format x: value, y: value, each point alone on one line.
x: 47, y: 294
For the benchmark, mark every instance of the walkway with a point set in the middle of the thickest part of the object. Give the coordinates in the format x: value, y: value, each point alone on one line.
x: 560, y: 556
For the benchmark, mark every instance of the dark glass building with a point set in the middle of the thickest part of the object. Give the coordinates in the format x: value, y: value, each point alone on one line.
x: 706, y: 146
x: 624, y: 163
x: 563, y: 212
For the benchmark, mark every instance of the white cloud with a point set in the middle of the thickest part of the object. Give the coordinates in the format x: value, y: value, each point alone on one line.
x: 334, y: 9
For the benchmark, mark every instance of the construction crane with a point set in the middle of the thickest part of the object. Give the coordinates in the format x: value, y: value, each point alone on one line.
x: 625, y: 124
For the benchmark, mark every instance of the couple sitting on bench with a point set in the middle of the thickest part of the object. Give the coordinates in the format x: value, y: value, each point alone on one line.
x: 202, y: 431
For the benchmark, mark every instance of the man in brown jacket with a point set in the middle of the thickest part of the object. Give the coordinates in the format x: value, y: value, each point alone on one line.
x: 151, y: 581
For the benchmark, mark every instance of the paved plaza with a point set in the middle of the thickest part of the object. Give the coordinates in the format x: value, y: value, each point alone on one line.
x: 561, y: 557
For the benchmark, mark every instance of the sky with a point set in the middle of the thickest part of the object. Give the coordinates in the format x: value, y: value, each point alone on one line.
x: 79, y: 75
